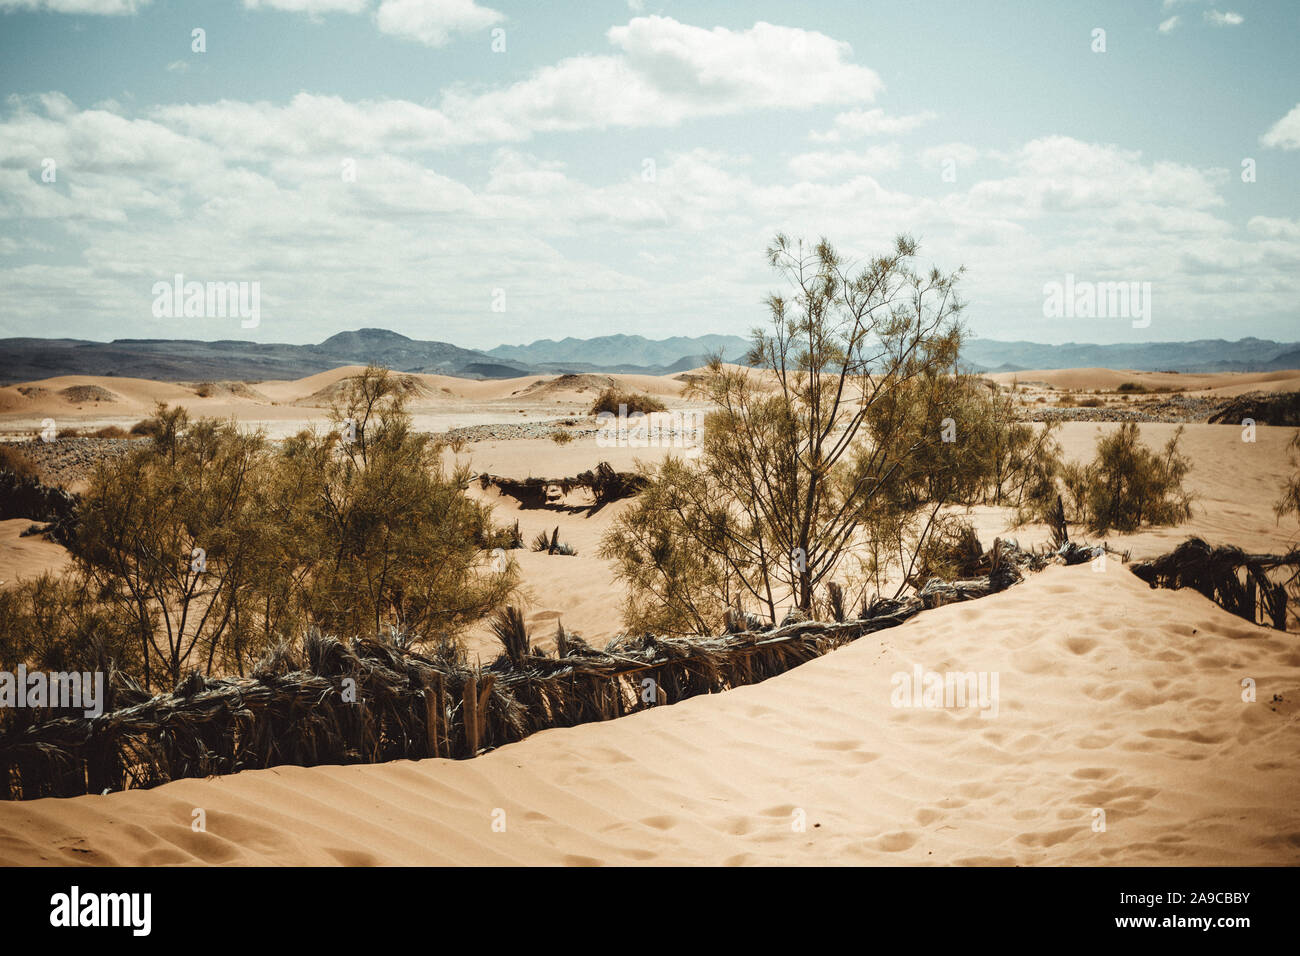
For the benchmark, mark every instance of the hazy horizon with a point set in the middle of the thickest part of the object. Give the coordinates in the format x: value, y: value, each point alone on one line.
x: 649, y: 338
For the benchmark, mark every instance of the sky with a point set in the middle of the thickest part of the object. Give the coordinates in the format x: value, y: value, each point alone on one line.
x: 501, y: 172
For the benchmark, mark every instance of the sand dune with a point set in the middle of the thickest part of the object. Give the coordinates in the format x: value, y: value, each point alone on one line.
x: 22, y: 558
x: 1235, y: 484
x: 1219, y: 383
x: 1112, y: 698
x: 441, y: 402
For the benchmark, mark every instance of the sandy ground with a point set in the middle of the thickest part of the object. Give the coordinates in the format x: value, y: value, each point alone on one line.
x: 284, y: 407
x: 1206, y: 383
x: 1234, y: 483
x: 1113, y: 698
x: 1116, y: 705
x: 27, y: 557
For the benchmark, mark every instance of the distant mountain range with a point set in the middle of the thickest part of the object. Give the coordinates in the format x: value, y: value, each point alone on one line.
x: 607, y: 351
x: 1201, y: 355
x: 26, y: 359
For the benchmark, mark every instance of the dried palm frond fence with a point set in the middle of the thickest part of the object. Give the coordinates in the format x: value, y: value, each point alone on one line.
x: 604, y: 483
x: 367, y: 700
x: 1253, y: 586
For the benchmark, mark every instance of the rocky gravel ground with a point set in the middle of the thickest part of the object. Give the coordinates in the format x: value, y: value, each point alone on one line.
x: 1177, y: 409
x: 68, y: 460
x: 505, y: 431
x: 577, y: 428
x: 1271, y: 408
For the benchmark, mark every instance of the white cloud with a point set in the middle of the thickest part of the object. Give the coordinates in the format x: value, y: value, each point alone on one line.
x: 1275, y: 228
x: 253, y: 190
x: 1285, y: 133
x: 1228, y: 19
x: 856, y: 124
x: 178, y: 66
x: 665, y: 74
x: 962, y: 154
x: 1167, y: 26
x: 432, y: 22
x: 774, y: 66
x: 821, y: 165
x: 310, y: 7
x: 97, y: 7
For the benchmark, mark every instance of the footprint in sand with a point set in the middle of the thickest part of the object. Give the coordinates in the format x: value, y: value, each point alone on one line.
x: 635, y: 854
x: 1192, y: 736
x: 896, y: 842
x: 1051, y: 837
x: 660, y: 822
x: 352, y: 857
x: 1094, y: 773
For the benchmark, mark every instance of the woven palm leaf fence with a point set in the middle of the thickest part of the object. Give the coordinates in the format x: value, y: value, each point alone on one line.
x: 367, y: 700
x: 604, y: 483
x: 1253, y: 586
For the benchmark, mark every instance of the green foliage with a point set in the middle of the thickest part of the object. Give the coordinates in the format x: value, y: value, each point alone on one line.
x: 52, y: 624
x: 170, y: 537
x: 1128, y: 485
x: 802, y: 457
x: 1289, y: 503
x: 208, y: 546
x: 14, y: 460
x: 390, y: 538
x: 632, y: 403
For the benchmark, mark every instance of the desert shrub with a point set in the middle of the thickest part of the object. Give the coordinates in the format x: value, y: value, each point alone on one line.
x: 611, y: 399
x: 14, y: 460
x: 109, y: 431
x: 51, y: 623
x: 816, y: 448
x: 209, y: 546
x: 146, y: 428
x: 1132, y: 388
x: 508, y: 538
x: 172, y: 536
x: 1289, y: 503
x: 1128, y: 485
x: 388, y: 535
x: 953, y: 551
x: 561, y: 437
x: 984, y: 454
x: 1090, y: 403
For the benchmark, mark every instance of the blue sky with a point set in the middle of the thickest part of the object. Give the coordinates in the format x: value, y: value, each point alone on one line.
x: 620, y: 167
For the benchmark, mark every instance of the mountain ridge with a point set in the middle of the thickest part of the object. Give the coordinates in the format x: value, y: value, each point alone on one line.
x: 29, y: 358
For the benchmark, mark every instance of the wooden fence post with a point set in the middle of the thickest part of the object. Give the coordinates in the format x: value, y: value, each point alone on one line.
x: 469, y: 714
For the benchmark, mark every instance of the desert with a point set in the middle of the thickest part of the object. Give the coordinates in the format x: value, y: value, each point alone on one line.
x: 1113, y: 695
x: 442, y: 440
